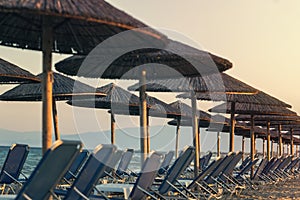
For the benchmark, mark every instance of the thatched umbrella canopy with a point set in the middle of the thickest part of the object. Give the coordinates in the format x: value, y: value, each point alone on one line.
x: 120, y: 101
x: 252, y: 109
x: 181, y: 58
x: 64, y: 88
x: 11, y: 74
x: 63, y: 26
x: 175, y: 60
x: 214, y: 83
x: 259, y: 98
x: 273, y: 120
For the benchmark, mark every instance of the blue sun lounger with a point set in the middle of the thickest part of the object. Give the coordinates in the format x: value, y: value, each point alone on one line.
x: 13, y: 166
x: 140, y: 189
x: 90, y: 173
x: 49, y: 171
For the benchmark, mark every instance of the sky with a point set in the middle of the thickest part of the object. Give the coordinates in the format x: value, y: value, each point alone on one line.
x: 260, y: 38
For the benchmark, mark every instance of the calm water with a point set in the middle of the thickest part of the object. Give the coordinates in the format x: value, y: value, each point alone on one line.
x: 35, y: 155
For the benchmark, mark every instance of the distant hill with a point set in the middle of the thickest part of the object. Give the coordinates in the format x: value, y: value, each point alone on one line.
x: 162, y: 138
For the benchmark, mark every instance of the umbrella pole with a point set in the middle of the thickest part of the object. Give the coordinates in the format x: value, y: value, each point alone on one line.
x: 292, y: 142
x: 232, y: 125
x: 252, y: 135
x: 268, y: 141
x: 196, y: 139
x: 279, y: 141
x: 148, y: 133
x: 47, y: 80
x: 264, y: 147
x: 55, y: 120
x: 143, y: 117
x: 271, y: 150
x: 219, y: 145
x: 177, y: 137
x: 112, y: 127
x: 243, y: 148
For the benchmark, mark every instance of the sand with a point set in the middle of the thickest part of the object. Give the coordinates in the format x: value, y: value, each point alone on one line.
x: 290, y: 189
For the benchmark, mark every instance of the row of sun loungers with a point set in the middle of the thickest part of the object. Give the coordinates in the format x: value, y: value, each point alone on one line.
x: 68, y: 172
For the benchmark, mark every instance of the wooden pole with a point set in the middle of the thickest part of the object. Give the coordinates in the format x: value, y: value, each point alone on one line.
x: 264, y: 148
x: 279, y: 141
x: 55, y: 120
x: 112, y: 127
x: 272, y: 151
x: 143, y: 117
x: 219, y: 145
x: 177, y: 137
x: 252, y: 138
x: 148, y: 133
x: 232, y: 125
x: 196, y: 139
x: 47, y: 80
x: 292, y: 142
x: 268, y: 141
x: 243, y: 148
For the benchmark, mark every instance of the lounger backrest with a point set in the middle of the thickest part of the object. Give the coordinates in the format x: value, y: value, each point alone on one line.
x: 217, y: 171
x: 204, y: 173
x: 245, y: 162
x: 146, y: 177
x: 180, y: 164
x: 124, y: 162
x: 50, y: 170
x: 166, y: 162
x: 269, y: 165
x: 76, y: 165
x: 114, y: 160
x: 262, y: 165
x: 284, y: 163
x: 90, y: 173
x: 205, y: 160
x: 247, y: 168
x: 14, y: 163
x: 230, y: 167
x: 275, y: 164
x: 292, y: 164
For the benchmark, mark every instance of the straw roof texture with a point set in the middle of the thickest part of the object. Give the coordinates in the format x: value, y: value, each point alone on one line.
x: 267, y: 118
x: 274, y: 123
x: 124, y: 102
x: 186, y: 110
x: 180, y: 59
x: 63, y: 89
x: 11, y: 73
x: 78, y: 25
x: 252, y: 109
x: 210, y: 83
x: 259, y: 98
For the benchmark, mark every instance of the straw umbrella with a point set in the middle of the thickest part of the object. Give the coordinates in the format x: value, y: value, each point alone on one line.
x: 186, y: 113
x: 120, y: 101
x: 209, y: 85
x: 252, y: 110
x: 11, y: 74
x: 180, y: 59
x: 63, y: 89
x: 72, y: 27
x: 269, y: 120
x: 115, y: 96
x: 259, y: 98
x: 214, y: 83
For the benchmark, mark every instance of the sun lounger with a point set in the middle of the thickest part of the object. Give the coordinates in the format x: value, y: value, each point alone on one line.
x: 141, y: 188
x: 13, y: 166
x: 76, y: 165
x: 124, y: 163
x: 90, y: 173
x: 166, y: 162
x: 49, y: 171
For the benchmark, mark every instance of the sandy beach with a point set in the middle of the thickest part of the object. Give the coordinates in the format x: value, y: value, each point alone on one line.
x: 289, y: 189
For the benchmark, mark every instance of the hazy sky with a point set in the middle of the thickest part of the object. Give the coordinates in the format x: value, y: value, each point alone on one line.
x: 261, y: 39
